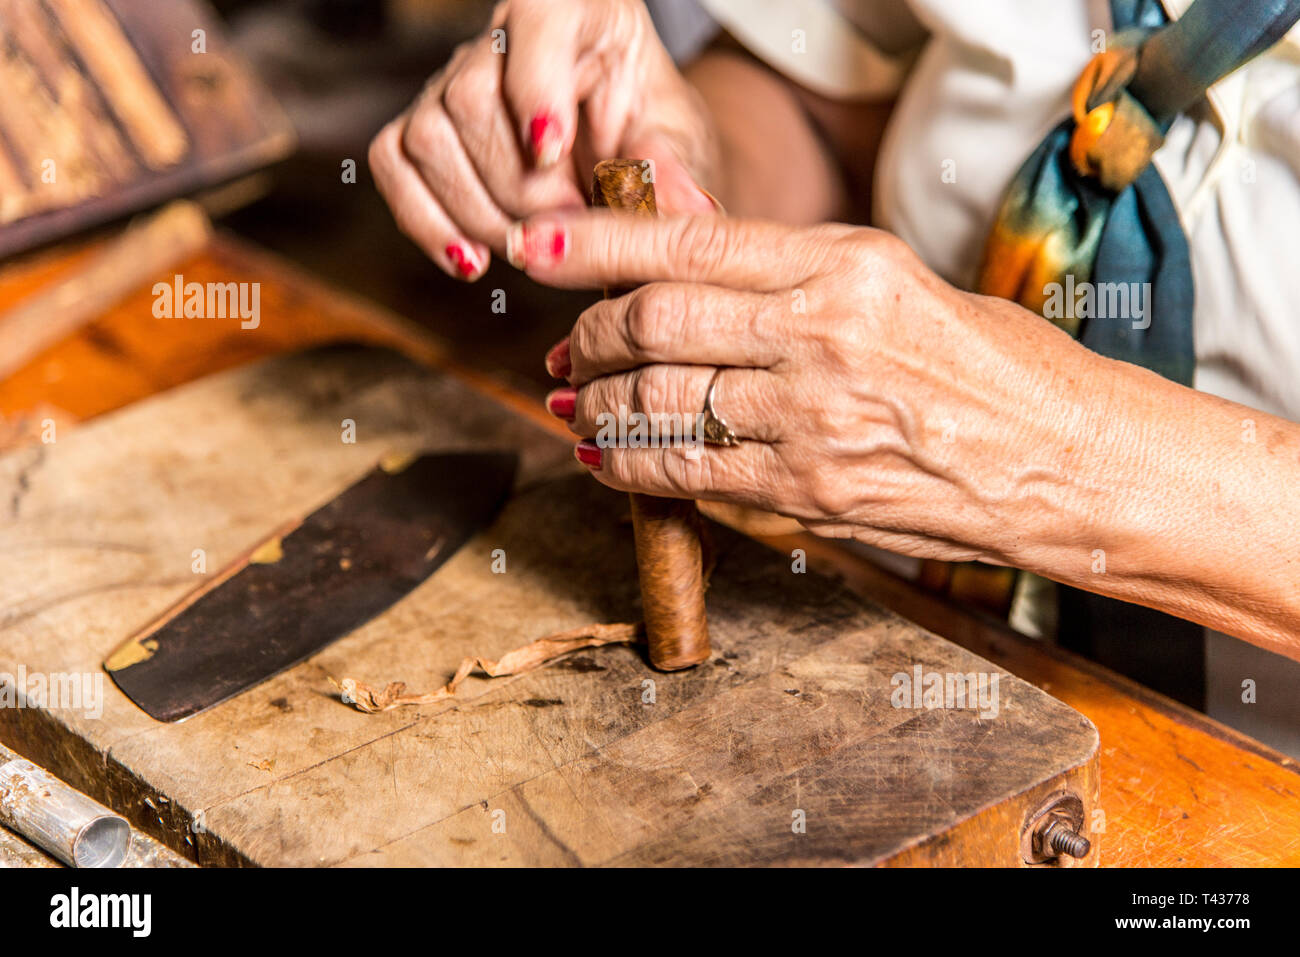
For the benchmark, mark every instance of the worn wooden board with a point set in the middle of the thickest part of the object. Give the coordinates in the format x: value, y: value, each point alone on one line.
x: 594, y: 760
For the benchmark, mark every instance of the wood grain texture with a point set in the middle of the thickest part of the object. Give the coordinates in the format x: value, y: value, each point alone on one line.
x: 98, y: 40
x: 794, y: 717
x: 1181, y: 789
x: 109, y: 108
x: 77, y: 105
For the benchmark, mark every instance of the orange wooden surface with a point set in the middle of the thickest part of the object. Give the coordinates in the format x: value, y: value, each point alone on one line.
x: 1177, y: 788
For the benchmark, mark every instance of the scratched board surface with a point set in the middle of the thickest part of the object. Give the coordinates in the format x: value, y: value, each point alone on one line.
x: 785, y: 748
x: 112, y: 105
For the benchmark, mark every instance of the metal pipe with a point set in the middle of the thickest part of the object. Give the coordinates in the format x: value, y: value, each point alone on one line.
x: 77, y: 830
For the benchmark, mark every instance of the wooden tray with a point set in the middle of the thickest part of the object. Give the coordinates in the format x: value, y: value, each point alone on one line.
x: 573, y: 764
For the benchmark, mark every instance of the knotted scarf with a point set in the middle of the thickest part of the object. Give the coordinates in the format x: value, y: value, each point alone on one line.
x: 1087, y: 234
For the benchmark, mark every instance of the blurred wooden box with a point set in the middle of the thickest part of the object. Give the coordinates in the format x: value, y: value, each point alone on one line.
x: 111, y: 106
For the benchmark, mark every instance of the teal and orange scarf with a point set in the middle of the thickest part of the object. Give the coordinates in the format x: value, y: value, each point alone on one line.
x: 1088, y: 211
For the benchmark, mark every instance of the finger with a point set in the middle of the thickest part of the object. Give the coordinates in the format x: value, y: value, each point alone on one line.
x: 748, y: 474
x: 473, y: 100
x: 417, y: 213
x: 681, y: 323
x: 433, y: 146
x: 551, y: 60
x: 668, y: 402
x: 596, y: 249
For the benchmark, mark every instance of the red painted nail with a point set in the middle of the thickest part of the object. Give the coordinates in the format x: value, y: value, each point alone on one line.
x: 544, y: 139
x: 558, y: 362
x: 563, y: 403
x: 559, y: 243
x: 536, y: 245
x: 465, y: 261
x: 589, y: 454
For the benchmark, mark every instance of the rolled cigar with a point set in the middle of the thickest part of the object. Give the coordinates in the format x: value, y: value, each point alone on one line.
x: 58, y: 818
x: 669, y: 552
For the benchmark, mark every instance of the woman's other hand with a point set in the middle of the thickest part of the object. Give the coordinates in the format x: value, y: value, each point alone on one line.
x: 514, y: 123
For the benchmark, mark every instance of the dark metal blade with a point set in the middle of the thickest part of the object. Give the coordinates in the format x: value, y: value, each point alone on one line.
x: 343, y: 565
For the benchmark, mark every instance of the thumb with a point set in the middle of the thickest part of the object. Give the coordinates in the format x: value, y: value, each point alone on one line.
x: 676, y: 191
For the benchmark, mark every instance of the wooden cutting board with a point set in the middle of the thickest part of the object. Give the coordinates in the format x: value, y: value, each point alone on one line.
x: 786, y: 748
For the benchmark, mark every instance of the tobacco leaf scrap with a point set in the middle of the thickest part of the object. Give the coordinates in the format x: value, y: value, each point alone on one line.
x: 518, y: 661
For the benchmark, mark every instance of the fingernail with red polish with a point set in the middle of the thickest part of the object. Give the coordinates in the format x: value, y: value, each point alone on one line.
x: 589, y: 454
x: 545, y: 140
x: 563, y: 403
x: 536, y: 245
x: 558, y: 362
x: 555, y: 244
x: 464, y: 259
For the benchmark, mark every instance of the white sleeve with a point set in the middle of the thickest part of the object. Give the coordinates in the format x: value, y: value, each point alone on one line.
x: 815, y: 44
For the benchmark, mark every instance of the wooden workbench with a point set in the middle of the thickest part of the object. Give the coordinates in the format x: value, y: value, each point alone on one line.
x: 1177, y: 788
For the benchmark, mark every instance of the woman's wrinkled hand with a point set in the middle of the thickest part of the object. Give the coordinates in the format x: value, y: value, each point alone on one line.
x: 514, y: 123
x: 874, y: 400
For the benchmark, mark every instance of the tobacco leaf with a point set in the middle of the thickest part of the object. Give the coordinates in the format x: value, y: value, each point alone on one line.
x: 533, y: 655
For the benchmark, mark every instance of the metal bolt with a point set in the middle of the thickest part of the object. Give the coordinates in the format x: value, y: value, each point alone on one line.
x: 1053, y: 830
x: 1062, y: 839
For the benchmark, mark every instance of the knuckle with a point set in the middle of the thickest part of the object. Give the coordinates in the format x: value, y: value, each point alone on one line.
x: 852, y: 340
x: 584, y: 340
x: 878, y: 246
x: 467, y: 91
x: 423, y: 137
x: 830, y: 242
x: 826, y: 492
x: 840, y: 344
x: 654, y: 389
x: 458, y: 55
x: 685, y: 476
x: 650, y: 319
